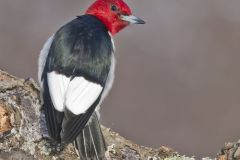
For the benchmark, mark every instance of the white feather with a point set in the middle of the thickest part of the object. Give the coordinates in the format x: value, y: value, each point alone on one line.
x: 42, y: 58
x: 112, y: 40
x: 110, y: 79
x: 76, y: 95
x: 81, y: 94
x: 57, y: 85
x: 111, y: 74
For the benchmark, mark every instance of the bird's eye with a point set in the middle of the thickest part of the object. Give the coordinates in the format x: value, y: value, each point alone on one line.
x: 114, y: 8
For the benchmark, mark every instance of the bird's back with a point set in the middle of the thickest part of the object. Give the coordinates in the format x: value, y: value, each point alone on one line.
x: 82, y: 47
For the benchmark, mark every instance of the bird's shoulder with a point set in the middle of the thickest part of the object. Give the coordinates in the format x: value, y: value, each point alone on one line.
x: 82, y: 47
x: 84, y: 27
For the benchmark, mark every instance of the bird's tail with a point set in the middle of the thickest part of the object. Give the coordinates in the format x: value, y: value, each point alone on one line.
x: 90, y: 144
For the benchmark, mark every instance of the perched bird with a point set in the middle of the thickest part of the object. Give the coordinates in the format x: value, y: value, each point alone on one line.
x: 76, y: 72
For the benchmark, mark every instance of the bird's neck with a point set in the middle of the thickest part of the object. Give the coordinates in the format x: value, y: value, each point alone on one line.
x: 113, y: 24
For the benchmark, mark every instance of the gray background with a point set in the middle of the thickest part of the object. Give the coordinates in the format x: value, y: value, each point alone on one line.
x: 177, y: 79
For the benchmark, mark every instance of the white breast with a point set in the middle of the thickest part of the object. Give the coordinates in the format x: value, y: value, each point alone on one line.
x: 110, y: 79
x: 111, y: 74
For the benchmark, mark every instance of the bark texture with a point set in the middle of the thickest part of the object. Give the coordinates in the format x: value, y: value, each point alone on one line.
x: 23, y: 131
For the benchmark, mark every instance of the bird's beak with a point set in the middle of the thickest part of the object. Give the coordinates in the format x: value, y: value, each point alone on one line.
x: 132, y: 19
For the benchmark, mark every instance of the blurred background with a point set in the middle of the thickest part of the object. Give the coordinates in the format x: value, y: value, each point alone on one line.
x: 177, y: 79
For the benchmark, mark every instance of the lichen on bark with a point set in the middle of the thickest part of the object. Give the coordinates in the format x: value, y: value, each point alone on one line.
x: 22, y: 131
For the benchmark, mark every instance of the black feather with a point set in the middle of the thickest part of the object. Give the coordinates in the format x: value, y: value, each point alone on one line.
x: 90, y: 144
x: 82, y: 47
x: 53, y: 117
x: 73, y: 124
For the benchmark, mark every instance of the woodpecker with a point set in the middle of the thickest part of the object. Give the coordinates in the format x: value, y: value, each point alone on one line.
x: 76, y: 72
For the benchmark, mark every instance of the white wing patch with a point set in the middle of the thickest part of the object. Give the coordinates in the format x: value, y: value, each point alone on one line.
x: 81, y: 94
x: 76, y: 95
x: 57, y: 85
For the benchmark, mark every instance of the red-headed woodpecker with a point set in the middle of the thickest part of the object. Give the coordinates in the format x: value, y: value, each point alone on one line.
x: 76, y: 72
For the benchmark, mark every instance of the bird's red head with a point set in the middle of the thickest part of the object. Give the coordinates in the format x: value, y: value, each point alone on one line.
x: 115, y: 14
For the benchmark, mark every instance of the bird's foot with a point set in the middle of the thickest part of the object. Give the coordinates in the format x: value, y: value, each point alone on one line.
x: 54, y: 147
